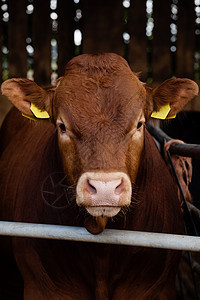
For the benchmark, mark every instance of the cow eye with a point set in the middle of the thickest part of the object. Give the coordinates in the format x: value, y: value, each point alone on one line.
x: 62, y: 127
x: 139, y: 125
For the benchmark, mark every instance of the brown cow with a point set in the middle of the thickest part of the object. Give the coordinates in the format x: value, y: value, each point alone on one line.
x: 114, y: 177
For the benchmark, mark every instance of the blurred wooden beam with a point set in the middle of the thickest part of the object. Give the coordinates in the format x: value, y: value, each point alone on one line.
x: 1, y: 46
x: 102, y: 26
x: 17, y: 30
x: 65, y: 34
x: 185, y: 39
x: 161, y: 55
x: 138, y: 42
x: 42, y: 42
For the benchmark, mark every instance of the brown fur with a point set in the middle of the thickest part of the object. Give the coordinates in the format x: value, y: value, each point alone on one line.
x: 138, y: 274
x: 100, y: 101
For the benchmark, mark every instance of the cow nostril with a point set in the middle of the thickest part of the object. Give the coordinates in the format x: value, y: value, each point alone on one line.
x: 120, y: 188
x: 91, y: 188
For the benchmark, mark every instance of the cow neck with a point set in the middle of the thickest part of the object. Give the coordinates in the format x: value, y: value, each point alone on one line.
x: 156, y: 198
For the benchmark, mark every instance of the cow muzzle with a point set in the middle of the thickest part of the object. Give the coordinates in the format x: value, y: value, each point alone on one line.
x: 103, y: 194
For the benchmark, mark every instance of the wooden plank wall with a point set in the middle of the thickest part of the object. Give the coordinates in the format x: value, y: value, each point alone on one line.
x: 161, y: 56
x: 186, y: 40
x: 138, y: 42
x: 17, y: 38
x: 65, y: 34
x: 1, y: 44
x: 42, y: 41
x: 102, y: 25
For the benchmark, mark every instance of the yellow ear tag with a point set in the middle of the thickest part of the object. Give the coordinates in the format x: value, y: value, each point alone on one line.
x: 28, y: 117
x: 172, y: 117
x: 39, y: 113
x: 162, y: 113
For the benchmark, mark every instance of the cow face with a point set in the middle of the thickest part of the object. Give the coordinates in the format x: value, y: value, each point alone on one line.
x: 100, y: 108
x: 99, y: 114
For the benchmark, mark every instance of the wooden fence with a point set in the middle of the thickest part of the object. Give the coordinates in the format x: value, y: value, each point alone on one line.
x: 159, y: 38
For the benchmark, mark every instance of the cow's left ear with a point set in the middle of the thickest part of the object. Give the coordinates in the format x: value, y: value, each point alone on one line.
x: 172, y: 95
x: 32, y: 100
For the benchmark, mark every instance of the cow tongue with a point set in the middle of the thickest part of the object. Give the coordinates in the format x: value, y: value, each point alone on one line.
x: 95, y: 225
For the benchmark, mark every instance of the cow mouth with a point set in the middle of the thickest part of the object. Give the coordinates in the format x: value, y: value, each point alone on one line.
x: 103, y: 211
x: 103, y: 195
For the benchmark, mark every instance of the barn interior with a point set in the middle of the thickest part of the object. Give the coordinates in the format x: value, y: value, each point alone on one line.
x: 159, y: 41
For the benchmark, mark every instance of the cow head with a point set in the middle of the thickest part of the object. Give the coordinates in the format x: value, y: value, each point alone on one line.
x: 99, y: 108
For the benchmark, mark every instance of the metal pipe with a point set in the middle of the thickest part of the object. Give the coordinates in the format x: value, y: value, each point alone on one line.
x: 158, y: 133
x: 187, y: 217
x: 190, y: 150
x: 195, y: 264
x: 194, y: 210
x: 109, y: 236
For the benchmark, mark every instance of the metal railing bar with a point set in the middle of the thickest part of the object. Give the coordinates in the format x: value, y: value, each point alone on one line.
x: 180, y: 286
x: 158, y: 133
x: 187, y: 218
x: 195, y: 264
x: 189, y: 150
x: 194, y: 210
x: 187, y: 287
x: 189, y: 225
x: 109, y: 236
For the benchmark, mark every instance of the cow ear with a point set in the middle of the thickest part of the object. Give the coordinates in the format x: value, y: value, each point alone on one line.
x: 171, y: 96
x: 32, y: 100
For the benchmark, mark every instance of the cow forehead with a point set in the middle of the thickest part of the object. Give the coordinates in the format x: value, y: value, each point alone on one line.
x: 108, y: 95
x: 87, y: 106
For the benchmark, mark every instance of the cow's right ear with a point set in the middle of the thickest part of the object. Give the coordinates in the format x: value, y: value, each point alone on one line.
x: 32, y: 100
x: 166, y: 100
